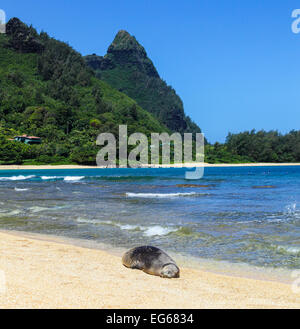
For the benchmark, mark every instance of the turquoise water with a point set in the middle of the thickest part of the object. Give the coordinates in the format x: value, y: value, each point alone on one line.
x: 238, y: 214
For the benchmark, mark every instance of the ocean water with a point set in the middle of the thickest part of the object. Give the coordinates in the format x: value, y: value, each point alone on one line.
x: 247, y: 215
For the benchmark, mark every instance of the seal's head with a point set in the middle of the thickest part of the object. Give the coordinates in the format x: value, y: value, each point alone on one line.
x: 170, y: 271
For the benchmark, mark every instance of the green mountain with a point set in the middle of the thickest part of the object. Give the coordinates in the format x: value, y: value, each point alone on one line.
x: 127, y: 68
x: 47, y: 90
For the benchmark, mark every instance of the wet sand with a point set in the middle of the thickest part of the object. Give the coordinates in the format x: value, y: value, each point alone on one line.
x: 49, y: 274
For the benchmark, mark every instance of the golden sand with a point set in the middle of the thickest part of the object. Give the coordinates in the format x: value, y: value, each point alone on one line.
x: 46, y: 274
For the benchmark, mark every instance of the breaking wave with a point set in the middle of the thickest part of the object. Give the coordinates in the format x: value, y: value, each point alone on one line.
x: 73, y: 178
x: 289, y: 249
x: 11, y: 213
x: 15, y: 178
x: 162, y: 195
x: 155, y: 230
x: 158, y: 230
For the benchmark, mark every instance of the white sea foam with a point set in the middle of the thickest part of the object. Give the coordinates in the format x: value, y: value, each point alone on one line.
x: 159, y: 230
x: 83, y: 220
x: 11, y: 213
x: 291, y: 208
x: 159, y: 195
x: 73, y: 178
x: 128, y: 227
x: 148, y: 230
x: 155, y: 230
x: 66, y: 178
x: 106, y: 222
x: 94, y: 221
x: 50, y: 177
x: 37, y: 209
x: 289, y: 249
x: 289, y: 214
x: 21, y: 189
x: 14, y: 178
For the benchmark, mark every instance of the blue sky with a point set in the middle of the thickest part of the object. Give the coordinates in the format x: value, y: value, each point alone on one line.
x: 234, y: 63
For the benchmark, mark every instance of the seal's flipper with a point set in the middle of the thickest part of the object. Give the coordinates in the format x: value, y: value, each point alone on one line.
x: 136, y: 266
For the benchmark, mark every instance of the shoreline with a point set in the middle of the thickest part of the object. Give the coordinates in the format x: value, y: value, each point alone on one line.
x: 186, y: 165
x: 42, y: 273
x: 231, y: 269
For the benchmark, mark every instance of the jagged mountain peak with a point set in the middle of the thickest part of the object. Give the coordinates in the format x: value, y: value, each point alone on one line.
x: 125, y: 50
x: 24, y: 38
x: 127, y: 68
x: 124, y: 41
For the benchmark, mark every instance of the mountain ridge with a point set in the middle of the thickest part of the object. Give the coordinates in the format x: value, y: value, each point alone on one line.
x: 47, y: 90
x: 127, y: 68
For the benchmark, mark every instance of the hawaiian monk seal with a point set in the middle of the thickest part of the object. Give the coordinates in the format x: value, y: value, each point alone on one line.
x: 152, y: 261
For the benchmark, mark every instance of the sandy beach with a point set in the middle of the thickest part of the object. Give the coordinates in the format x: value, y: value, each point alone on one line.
x: 185, y: 165
x: 49, y: 274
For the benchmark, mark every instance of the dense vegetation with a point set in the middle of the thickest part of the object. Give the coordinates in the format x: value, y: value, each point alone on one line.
x: 47, y: 90
x: 127, y: 68
x: 252, y: 146
x: 265, y: 146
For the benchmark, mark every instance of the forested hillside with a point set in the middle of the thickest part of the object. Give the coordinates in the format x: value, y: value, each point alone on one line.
x: 47, y: 90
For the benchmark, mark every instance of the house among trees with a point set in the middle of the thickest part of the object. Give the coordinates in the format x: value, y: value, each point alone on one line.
x: 28, y: 139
